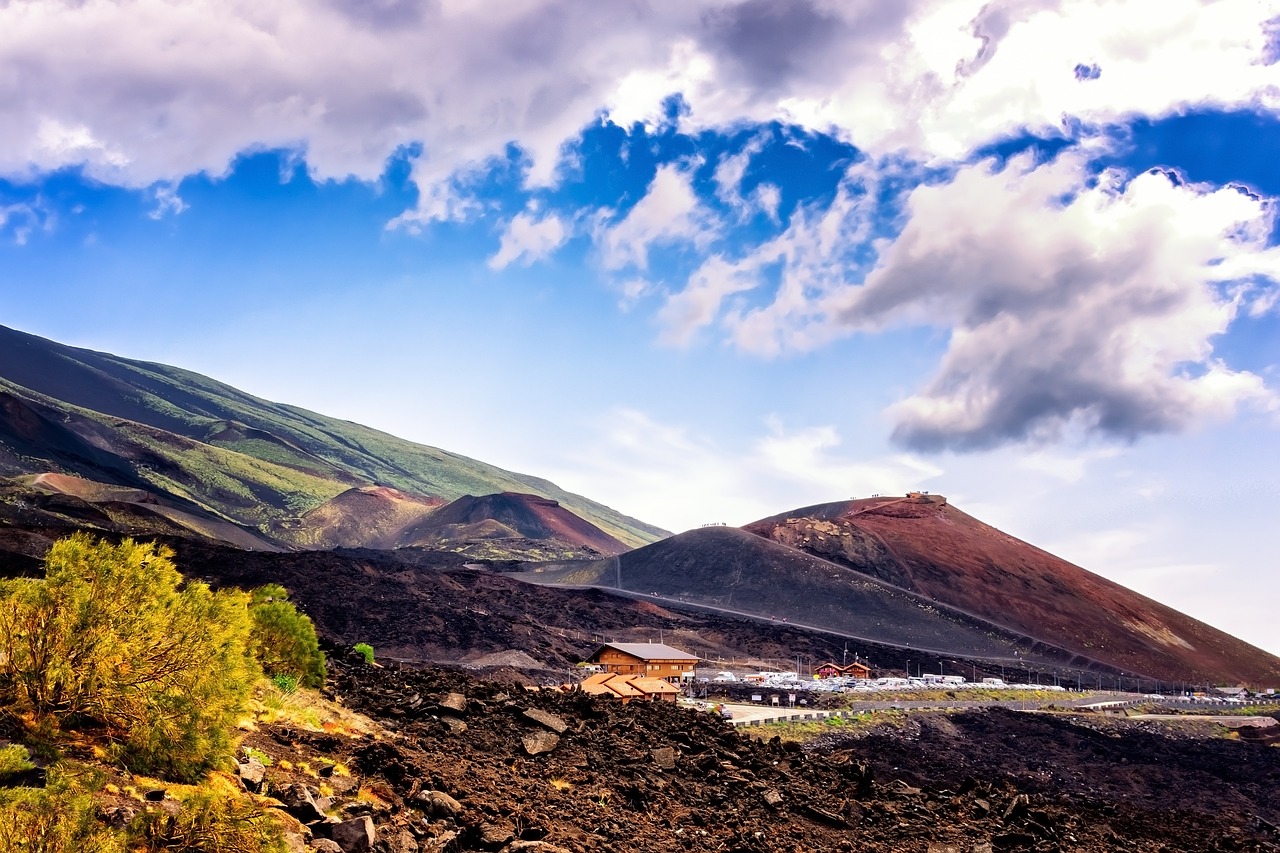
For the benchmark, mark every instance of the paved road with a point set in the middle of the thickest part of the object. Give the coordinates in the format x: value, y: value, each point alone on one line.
x: 756, y: 714
x: 744, y: 714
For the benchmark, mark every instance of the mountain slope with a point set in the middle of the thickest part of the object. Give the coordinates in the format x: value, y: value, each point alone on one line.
x: 233, y: 455
x: 730, y: 569
x: 362, y: 517
x: 509, y: 516
x: 923, y: 544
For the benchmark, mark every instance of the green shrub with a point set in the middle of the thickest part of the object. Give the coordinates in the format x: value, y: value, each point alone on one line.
x: 366, y: 650
x: 209, y: 821
x: 14, y: 759
x: 113, y: 639
x: 60, y: 818
x: 286, y: 684
x: 284, y: 640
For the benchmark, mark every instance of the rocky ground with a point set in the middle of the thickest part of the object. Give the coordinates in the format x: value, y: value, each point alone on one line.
x: 468, y: 765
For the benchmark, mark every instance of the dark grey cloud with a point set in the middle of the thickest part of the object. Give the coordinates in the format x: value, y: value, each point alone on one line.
x: 385, y: 14
x: 771, y: 43
x: 1097, y: 318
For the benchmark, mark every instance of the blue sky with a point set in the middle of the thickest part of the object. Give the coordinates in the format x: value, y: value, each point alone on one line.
x: 704, y: 261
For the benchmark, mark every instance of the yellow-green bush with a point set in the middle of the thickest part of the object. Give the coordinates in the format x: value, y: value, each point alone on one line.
x: 284, y: 640
x: 209, y: 821
x: 113, y: 639
x: 58, y: 819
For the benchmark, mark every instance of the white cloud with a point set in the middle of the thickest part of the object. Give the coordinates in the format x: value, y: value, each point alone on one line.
x: 669, y: 213
x: 677, y: 478
x: 1096, y: 313
x: 728, y: 176
x: 810, y: 457
x: 21, y: 220
x: 527, y: 239
x: 1071, y: 307
x: 698, y: 303
x: 815, y: 255
x: 167, y: 201
x: 151, y: 91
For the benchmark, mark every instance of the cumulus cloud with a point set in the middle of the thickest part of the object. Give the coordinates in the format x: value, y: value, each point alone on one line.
x: 148, y: 91
x: 1074, y: 304
x: 698, y: 303
x: 819, y: 252
x: 527, y: 239
x: 728, y: 176
x: 1070, y: 306
x: 670, y: 212
x: 669, y: 474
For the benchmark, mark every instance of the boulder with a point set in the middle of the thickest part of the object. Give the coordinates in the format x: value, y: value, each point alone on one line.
x: 302, y: 805
x: 402, y: 842
x: 495, y: 834
x: 295, y: 842
x: 543, y: 718
x: 455, y: 702
x: 455, y: 726
x: 355, y: 835
x: 445, y: 842
x: 252, y: 774
x: 324, y: 845
x: 664, y: 757
x: 537, y: 743
x: 438, y: 804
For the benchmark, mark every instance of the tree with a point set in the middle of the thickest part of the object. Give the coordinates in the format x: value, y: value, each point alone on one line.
x: 284, y: 640
x: 113, y: 638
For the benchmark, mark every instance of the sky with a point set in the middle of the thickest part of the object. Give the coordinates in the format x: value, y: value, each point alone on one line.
x: 702, y: 261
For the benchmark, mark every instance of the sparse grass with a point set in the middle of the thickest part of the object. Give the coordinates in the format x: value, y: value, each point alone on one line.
x: 801, y: 731
x: 366, y: 794
x: 306, y: 709
x: 262, y: 757
x: 560, y: 784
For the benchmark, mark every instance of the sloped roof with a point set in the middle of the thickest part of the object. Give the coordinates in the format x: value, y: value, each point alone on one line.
x: 649, y: 651
x: 628, y: 686
x: 652, y: 685
x: 623, y: 687
x: 597, y: 689
x: 596, y: 680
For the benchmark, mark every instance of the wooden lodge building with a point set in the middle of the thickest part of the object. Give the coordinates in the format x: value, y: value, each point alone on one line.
x: 652, y: 660
x: 835, y: 670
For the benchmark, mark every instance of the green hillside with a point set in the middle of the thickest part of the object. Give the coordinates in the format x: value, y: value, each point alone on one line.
x: 241, y: 457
